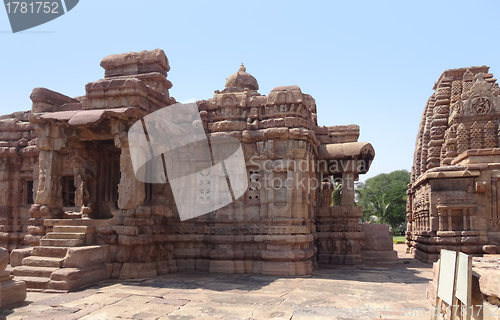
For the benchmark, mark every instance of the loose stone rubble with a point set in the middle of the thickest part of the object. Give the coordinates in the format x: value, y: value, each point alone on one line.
x: 452, y: 197
x: 69, y: 189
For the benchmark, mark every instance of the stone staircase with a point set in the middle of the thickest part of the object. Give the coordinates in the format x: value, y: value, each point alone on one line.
x: 67, y: 258
x: 68, y: 236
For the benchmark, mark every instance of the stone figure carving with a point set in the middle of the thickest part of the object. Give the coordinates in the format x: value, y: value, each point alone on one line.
x: 86, y: 178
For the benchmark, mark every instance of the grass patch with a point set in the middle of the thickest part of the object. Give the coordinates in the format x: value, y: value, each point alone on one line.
x: 399, y: 239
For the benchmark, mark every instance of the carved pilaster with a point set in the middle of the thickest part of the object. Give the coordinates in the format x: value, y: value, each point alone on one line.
x: 490, y: 139
x: 456, y: 91
x: 450, y: 144
x: 476, y: 136
x: 426, y: 133
x: 468, y: 81
x: 439, y: 123
x: 462, y: 139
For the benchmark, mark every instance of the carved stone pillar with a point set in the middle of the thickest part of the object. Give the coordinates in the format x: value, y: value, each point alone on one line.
x: 450, y: 223
x: 464, y: 216
x: 49, y: 193
x: 347, y: 189
x: 131, y: 191
x: 471, y: 219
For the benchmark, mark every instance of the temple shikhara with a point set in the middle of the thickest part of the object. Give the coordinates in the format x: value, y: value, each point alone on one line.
x: 73, y: 213
x: 455, y: 179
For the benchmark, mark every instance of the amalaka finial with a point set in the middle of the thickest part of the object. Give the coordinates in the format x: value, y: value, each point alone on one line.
x: 242, y: 68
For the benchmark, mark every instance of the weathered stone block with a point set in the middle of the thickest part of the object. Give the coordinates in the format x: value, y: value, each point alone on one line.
x: 131, y: 190
x: 166, y: 267
x: 86, y: 256
x: 137, y: 270
x: 50, y: 99
x: 143, y: 212
x: 135, y: 63
x: 139, y: 240
x: 12, y: 292
x: 138, y: 222
x: 4, y: 258
x: 17, y: 256
x: 377, y: 237
x: 75, y: 278
x: 126, y: 230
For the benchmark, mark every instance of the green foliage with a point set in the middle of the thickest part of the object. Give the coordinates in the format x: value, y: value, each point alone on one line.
x: 383, y: 198
x: 399, y: 239
x: 337, y: 195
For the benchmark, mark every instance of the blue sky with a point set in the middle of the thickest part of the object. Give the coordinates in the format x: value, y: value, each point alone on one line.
x: 371, y: 63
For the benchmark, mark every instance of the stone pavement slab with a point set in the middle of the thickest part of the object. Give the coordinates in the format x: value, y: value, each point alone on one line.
x: 343, y: 292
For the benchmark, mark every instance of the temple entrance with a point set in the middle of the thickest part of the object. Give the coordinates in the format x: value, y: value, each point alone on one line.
x: 68, y: 192
x: 107, y: 179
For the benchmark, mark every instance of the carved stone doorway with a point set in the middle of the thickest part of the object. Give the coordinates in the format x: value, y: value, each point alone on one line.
x: 107, y: 179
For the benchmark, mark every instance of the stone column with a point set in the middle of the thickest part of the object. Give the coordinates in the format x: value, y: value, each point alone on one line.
x: 464, y: 216
x: 471, y: 218
x: 450, y: 224
x: 49, y: 193
x: 131, y: 191
x: 347, y: 189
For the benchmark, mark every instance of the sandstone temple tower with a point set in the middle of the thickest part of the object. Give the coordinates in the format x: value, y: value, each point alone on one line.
x: 454, y: 190
x: 74, y: 211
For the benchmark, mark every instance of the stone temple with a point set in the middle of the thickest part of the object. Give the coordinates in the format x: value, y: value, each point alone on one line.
x: 73, y: 212
x: 455, y: 179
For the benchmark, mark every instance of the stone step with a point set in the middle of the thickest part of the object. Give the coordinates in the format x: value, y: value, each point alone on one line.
x: 70, y: 279
x: 61, y: 242
x: 379, y: 254
x: 75, y: 222
x: 35, y: 282
x: 27, y: 271
x: 55, y: 252
x: 380, y: 257
x: 36, y: 261
x: 74, y: 229
x: 65, y: 235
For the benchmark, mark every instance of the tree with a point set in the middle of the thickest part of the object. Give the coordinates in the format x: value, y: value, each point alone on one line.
x: 384, y: 196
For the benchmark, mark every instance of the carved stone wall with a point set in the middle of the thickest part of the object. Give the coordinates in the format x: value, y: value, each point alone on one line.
x: 18, y: 178
x: 279, y: 226
x: 452, y: 203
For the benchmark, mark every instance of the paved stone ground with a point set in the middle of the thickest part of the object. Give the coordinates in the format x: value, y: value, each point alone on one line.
x: 211, y: 296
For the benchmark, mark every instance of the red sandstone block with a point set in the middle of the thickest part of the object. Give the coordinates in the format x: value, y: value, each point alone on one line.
x: 139, y: 240
x: 138, y: 222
